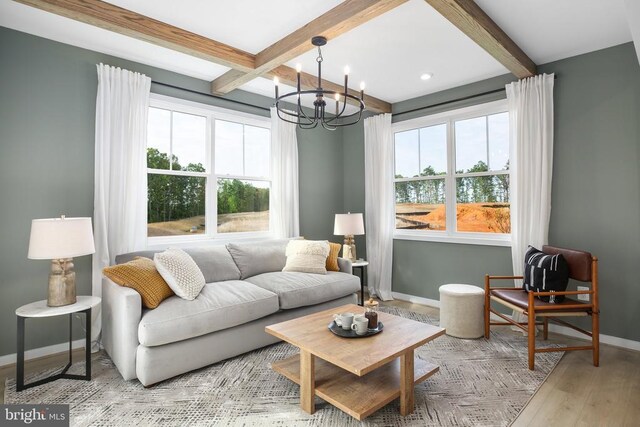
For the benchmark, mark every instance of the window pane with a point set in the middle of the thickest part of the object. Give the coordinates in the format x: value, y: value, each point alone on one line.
x: 433, y: 150
x: 257, y: 146
x: 176, y: 205
x: 188, y: 147
x: 420, y: 205
x: 471, y: 145
x: 158, y: 138
x: 483, y: 204
x: 499, y: 141
x: 229, y: 148
x: 407, y: 154
x: 242, y: 206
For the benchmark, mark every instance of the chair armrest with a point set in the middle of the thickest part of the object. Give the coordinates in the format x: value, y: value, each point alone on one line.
x: 121, y: 314
x: 488, y: 278
x: 546, y: 294
x: 345, y: 265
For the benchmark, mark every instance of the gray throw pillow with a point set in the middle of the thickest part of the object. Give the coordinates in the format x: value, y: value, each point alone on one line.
x: 257, y: 258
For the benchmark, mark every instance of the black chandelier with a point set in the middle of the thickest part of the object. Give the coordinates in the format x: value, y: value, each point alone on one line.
x: 328, y: 121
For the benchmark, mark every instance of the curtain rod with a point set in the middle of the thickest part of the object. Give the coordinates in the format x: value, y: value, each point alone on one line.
x: 451, y: 101
x: 246, y: 104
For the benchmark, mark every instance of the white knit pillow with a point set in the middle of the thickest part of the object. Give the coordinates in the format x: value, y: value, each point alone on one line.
x: 307, y: 256
x: 180, y: 272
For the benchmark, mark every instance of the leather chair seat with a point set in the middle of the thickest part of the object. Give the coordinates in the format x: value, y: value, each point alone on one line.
x: 520, y: 298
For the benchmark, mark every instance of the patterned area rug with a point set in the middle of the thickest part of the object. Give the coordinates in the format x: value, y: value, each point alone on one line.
x: 480, y: 383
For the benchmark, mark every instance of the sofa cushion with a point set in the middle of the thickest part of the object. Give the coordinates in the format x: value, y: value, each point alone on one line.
x: 332, y: 258
x: 296, y: 289
x: 215, y: 262
x: 258, y: 258
x: 181, y: 273
x: 220, y: 305
x: 142, y: 276
x: 307, y: 256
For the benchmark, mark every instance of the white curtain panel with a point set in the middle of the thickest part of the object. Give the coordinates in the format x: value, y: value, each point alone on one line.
x: 379, y: 203
x: 120, y: 198
x: 285, y: 213
x: 531, y: 126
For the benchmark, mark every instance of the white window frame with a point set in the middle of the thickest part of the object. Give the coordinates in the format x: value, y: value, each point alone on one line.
x: 451, y: 235
x: 211, y: 113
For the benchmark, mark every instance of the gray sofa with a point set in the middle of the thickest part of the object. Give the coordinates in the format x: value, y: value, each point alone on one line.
x: 245, y: 291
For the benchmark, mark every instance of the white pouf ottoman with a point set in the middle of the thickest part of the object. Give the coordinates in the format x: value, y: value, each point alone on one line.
x: 462, y: 310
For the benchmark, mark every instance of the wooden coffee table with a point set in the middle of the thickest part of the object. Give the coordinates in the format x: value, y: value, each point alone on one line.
x: 378, y: 369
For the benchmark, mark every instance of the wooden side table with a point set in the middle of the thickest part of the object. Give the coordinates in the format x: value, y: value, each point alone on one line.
x: 362, y: 265
x: 39, y: 309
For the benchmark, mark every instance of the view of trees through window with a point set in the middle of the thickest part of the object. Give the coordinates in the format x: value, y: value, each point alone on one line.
x: 178, y: 175
x: 481, y: 178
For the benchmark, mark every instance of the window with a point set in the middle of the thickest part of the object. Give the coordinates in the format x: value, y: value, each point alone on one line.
x: 208, y: 171
x: 452, y: 176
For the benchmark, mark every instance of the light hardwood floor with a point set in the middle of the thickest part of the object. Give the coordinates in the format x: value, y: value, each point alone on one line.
x: 575, y: 394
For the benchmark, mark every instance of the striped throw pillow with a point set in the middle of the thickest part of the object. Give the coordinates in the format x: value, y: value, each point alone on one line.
x: 545, y: 273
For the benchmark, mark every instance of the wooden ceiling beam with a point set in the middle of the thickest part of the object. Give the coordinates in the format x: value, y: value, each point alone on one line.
x: 477, y: 25
x: 337, y: 21
x: 113, y: 18
x: 288, y: 76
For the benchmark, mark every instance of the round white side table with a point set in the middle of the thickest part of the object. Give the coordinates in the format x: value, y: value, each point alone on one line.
x: 362, y: 265
x: 39, y: 309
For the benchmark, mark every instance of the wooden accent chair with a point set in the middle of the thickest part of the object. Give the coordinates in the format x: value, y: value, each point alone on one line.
x: 582, y: 267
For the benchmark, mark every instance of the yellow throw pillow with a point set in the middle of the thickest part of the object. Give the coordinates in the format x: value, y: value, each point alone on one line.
x: 332, y: 259
x: 142, y: 276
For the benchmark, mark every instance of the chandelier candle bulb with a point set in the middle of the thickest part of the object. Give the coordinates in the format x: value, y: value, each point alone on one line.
x: 298, y: 67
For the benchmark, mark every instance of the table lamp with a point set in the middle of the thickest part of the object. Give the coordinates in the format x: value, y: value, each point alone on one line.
x: 349, y: 225
x: 60, y: 240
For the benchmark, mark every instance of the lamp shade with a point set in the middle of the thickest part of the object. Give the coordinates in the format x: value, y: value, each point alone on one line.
x: 57, y: 238
x: 349, y: 224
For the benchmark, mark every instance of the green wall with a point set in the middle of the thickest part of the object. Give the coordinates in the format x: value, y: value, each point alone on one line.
x: 47, y: 116
x: 596, y: 186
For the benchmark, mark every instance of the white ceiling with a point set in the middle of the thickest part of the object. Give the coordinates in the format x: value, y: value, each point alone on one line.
x: 548, y: 30
x: 250, y: 25
x: 389, y: 52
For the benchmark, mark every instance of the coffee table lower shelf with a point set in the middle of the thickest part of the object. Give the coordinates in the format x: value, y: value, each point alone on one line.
x: 357, y: 396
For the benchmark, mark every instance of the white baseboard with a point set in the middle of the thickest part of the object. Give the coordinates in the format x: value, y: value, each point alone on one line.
x: 562, y: 330
x: 11, y: 359
x: 604, y: 339
x: 417, y: 300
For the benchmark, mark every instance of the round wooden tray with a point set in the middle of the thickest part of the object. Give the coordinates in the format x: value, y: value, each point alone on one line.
x: 337, y: 330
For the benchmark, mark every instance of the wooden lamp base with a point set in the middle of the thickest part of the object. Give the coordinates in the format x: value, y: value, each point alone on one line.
x: 62, y: 283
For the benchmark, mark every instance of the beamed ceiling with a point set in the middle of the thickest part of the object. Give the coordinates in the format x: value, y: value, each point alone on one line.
x: 387, y: 43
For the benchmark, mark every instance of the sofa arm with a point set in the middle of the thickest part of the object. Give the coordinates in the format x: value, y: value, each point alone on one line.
x: 121, y: 314
x: 345, y: 265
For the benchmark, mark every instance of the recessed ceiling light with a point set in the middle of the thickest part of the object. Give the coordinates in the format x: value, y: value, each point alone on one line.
x: 426, y: 76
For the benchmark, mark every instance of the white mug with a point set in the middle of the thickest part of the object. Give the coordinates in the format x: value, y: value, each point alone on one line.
x: 344, y: 320
x: 360, y: 325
